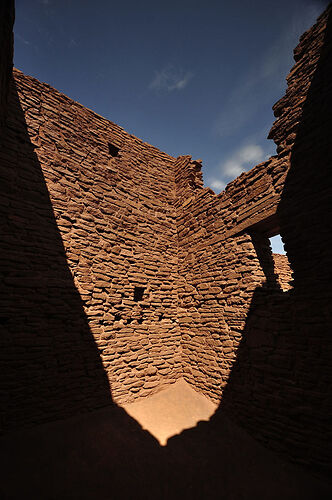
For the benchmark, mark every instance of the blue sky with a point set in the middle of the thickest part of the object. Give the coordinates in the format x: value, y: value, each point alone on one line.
x: 189, y: 77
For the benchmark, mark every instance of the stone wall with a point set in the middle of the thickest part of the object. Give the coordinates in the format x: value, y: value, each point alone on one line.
x: 245, y: 340
x: 213, y: 292
x: 75, y: 215
x: 122, y: 273
x: 283, y: 271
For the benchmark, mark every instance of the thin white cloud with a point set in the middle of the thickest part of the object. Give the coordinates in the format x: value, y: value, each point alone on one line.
x: 216, y: 184
x: 26, y: 42
x: 169, y: 79
x: 240, y: 160
x: 21, y: 39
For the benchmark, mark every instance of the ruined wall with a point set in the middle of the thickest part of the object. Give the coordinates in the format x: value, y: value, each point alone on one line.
x: 120, y: 272
x: 247, y: 342
x: 280, y: 388
x: 82, y: 228
x: 218, y: 273
x: 220, y: 265
x: 283, y: 271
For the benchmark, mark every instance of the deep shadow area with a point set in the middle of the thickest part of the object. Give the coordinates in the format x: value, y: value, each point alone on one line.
x: 50, y: 365
x: 105, y: 455
x: 280, y: 387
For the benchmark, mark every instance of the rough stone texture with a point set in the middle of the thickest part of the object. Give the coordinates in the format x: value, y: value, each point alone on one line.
x: 265, y: 353
x: 65, y: 296
x: 83, y: 226
x: 283, y: 270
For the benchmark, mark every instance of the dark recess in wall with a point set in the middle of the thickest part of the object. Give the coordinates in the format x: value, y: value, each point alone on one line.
x: 113, y: 150
x: 138, y: 293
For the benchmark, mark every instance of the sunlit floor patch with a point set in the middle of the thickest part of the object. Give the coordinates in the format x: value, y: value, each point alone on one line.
x: 171, y: 411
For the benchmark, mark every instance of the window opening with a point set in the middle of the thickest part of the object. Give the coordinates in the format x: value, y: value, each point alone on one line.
x: 113, y: 150
x: 282, y: 267
x: 277, y: 244
x: 138, y: 293
x: 271, y: 253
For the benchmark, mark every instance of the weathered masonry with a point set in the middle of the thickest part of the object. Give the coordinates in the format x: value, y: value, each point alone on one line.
x: 121, y: 273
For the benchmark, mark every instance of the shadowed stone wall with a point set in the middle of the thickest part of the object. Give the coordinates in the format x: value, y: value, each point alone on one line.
x: 88, y: 260
x: 7, y: 14
x: 116, y: 218
x: 264, y: 351
x: 283, y: 270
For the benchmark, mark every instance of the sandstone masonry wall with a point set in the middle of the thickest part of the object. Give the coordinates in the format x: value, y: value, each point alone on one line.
x: 217, y: 278
x: 283, y: 270
x: 115, y: 219
x: 120, y: 272
x: 246, y: 341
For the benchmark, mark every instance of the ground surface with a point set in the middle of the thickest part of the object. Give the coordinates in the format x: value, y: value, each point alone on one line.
x: 107, y: 455
x: 169, y: 412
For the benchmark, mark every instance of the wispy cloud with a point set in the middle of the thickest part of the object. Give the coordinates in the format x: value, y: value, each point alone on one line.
x: 22, y: 39
x: 241, y: 159
x: 169, y: 79
x: 249, y: 94
x: 216, y: 184
x: 266, y: 79
x: 26, y: 42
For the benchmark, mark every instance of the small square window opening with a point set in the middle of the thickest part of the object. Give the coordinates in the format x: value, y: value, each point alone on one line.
x: 113, y: 150
x: 138, y: 293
